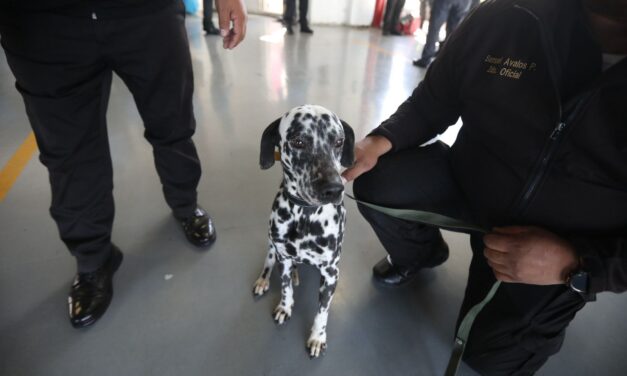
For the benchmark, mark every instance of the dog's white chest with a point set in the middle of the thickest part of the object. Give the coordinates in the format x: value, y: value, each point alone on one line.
x: 311, y: 235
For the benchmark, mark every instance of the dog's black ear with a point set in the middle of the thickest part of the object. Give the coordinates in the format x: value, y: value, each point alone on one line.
x: 348, y: 151
x: 269, y: 140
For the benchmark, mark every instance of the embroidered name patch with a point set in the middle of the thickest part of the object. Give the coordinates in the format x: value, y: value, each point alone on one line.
x: 508, y: 67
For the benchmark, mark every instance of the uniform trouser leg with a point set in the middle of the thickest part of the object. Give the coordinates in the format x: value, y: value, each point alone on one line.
x: 521, y: 327
x: 396, y: 13
x: 456, y: 15
x: 303, y: 8
x: 151, y: 55
x: 388, y: 17
x: 207, y: 13
x: 392, y: 14
x: 289, y: 12
x: 419, y: 178
x: 65, y: 85
x: 439, y: 14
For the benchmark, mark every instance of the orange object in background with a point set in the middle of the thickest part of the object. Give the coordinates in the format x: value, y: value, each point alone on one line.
x: 379, y: 7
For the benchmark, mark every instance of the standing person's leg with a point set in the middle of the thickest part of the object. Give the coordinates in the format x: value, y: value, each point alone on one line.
x: 207, y: 22
x: 303, y: 7
x: 520, y: 327
x: 456, y: 15
x: 65, y: 83
x: 151, y: 55
x: 387, y: 17
x: 439, y: 14
x: 417, y: 178
x: 396, y: 16
x: 289, y: 13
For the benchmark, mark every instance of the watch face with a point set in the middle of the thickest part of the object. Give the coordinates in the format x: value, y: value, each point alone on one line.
x: 579, y: 282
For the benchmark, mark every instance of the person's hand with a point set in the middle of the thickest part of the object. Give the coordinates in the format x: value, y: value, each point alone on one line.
x: 367, y: 153
x: 531, y: 255
x: 231, y: 10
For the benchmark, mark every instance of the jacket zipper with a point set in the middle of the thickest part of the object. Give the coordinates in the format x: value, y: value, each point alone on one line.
x: 551, y: 145
x: 549, y: 151
x: 574, y: 107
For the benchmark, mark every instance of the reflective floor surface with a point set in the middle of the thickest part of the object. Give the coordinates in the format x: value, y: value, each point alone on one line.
x: 180, y: 311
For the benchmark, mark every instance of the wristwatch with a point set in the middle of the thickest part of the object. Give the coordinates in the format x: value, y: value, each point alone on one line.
x: 578, y: 281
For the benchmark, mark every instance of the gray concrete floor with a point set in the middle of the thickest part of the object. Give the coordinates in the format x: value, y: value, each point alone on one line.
x: 178, y: 311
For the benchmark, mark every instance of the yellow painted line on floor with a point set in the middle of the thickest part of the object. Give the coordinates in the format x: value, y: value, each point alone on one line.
x: 12, y: 170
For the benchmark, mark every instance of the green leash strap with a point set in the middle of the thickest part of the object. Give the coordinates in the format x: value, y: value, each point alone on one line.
x: 439, y: 220
x: 464, y: 331
x: 424, y: 217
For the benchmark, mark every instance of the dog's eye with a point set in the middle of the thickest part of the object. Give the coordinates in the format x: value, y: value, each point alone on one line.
x: 297, y: 143
x: 339, y: 142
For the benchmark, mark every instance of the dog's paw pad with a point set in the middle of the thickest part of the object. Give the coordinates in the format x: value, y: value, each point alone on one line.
x: 261, y: 286
x: 281, y: 315
x: 316, y: 347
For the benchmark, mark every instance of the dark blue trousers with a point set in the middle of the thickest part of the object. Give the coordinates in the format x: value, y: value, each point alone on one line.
x: 450, y: 11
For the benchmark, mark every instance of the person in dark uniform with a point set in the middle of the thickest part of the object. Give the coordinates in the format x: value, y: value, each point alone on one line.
x: 289, y: 13
x: 63, y: 54
x: 539, y: 162
x: 391, y: 18
x: 450, y: 11
x: 207, y: 22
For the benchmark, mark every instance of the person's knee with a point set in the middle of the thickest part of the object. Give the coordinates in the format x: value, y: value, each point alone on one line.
x: 365, y: 186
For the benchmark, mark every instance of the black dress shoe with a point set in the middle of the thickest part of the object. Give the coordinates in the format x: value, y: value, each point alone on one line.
x: 91, y: 293
x: 306, y: 29
x: 290, y: 29
x: 389, y: 274
x: 211, y: 30
x: 199, y: 228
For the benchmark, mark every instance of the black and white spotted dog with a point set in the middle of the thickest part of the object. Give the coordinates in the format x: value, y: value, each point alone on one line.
x: 308, y: 215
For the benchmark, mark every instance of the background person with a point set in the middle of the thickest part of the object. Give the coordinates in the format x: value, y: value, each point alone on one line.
x: 392, y: 16
x: 451, y: 12
x: 289, y: 14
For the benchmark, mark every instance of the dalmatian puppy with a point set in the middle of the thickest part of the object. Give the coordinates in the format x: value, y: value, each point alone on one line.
x: 308, y: 215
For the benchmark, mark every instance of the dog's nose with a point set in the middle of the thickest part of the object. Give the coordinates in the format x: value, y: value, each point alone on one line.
x: 331, y: 190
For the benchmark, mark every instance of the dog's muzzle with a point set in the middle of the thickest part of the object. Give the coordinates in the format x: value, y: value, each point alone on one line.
x: 330, y: 191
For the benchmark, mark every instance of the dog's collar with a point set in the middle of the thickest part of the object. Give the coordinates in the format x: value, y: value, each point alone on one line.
x: 298, y: 201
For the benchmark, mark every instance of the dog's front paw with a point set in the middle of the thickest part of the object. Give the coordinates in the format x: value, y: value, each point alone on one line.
x: 281, y: 314
x: 261, y: 286
x: 316, y: 345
